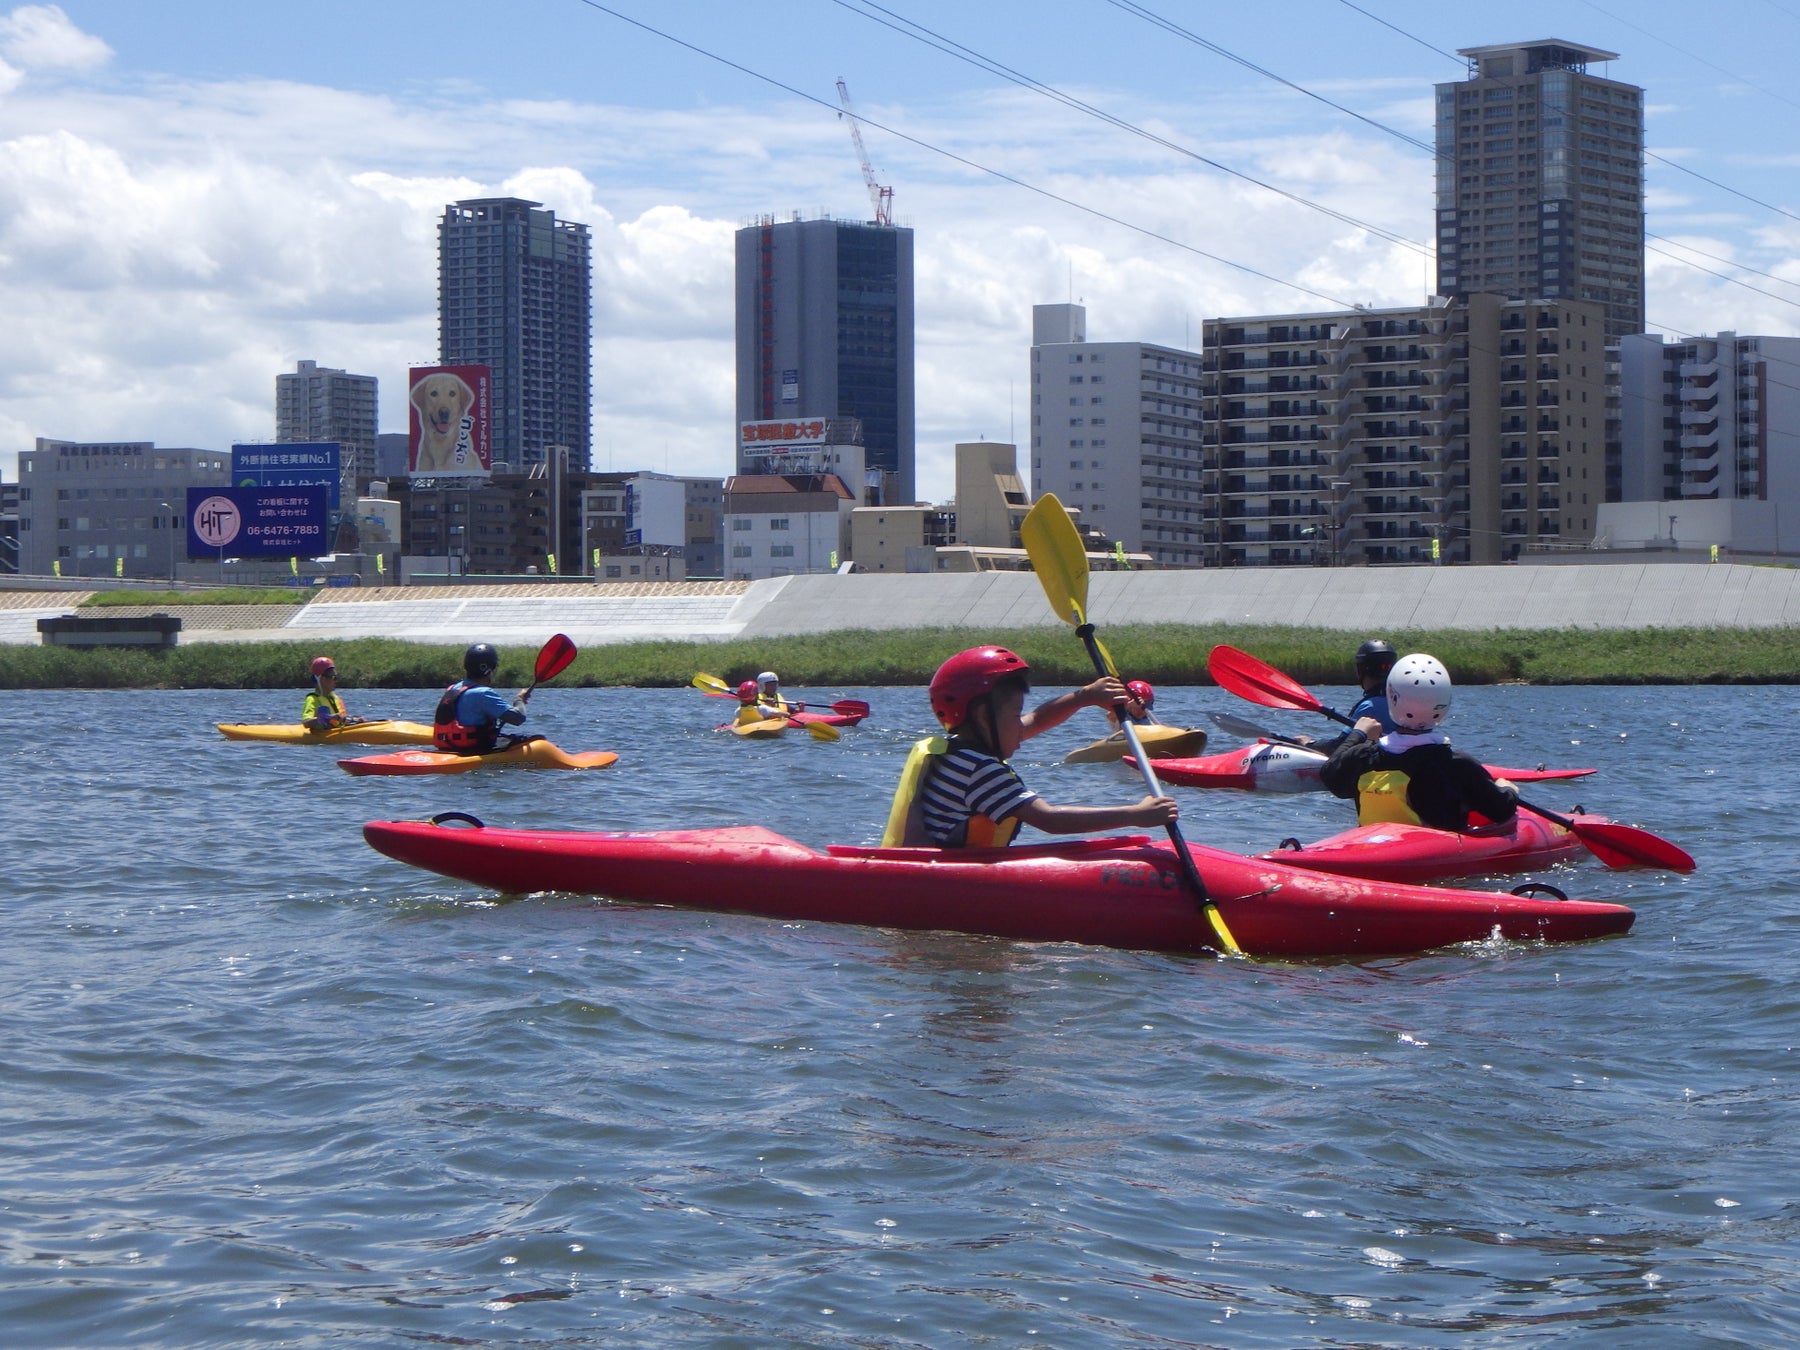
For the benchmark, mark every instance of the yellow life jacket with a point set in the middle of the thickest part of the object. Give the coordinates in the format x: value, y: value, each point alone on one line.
x: 905, y: 822
x: 1381, y: 799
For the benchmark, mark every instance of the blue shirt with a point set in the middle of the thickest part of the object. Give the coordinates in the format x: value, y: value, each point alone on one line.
x: 1374, y: 705
x: 478, y: 706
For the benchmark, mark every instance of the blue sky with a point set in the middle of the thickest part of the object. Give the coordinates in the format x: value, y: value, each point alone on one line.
x: 194, y: 195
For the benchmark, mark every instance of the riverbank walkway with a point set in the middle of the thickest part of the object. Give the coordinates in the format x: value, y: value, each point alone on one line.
x: 1624, y: 595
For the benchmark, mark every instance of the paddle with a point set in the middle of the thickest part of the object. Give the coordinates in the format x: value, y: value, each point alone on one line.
x: 1061, y: 564
x: 717, y: 688
x: 1242, y: 674
x: 1613, y: 844
x: 553, y: 659
x: 1237, y: 726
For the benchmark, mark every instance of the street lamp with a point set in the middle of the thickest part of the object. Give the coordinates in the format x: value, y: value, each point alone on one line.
x: 169, y: 523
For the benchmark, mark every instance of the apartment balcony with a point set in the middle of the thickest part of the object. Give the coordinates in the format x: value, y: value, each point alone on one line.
x: 1706, y: 418
x: 1699, y: 463
x: 1699, y: 370
x: 1701, y: 441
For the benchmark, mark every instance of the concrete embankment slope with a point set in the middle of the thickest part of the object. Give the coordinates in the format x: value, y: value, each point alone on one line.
x: 1388, y: 599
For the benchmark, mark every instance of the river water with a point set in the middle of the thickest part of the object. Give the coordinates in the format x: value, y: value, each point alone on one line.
x: 263, y: 1087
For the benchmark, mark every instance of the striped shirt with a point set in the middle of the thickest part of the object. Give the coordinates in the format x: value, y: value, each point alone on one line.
x: 964, y: 783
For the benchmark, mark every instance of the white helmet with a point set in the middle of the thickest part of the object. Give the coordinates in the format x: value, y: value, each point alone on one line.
x: 766, y: 679
x: 1418, y: 692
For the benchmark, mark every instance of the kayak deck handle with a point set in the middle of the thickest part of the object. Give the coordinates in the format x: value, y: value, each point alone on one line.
x: 458, y: 818
x: 1535, y: 888
x: 1290, y: 843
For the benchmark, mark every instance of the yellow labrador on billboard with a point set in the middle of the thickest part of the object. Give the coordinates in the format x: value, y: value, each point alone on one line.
x: 449, y: 421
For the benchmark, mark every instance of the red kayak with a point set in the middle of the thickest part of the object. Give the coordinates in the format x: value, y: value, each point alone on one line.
x: 1274, y: 766
x: 1418, y: 853
x: 828, y: 719
x: 1123, y: 891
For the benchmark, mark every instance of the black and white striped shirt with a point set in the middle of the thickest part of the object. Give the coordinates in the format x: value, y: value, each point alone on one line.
x: 964, y: 783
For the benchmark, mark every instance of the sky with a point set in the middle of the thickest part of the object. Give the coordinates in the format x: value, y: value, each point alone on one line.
x: 195, y: 196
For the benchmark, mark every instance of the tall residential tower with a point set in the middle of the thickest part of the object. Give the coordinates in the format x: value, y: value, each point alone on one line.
x: 513, y: 295
x: 1540, y: 181
x: 825, y: 330
x: 315, y: 403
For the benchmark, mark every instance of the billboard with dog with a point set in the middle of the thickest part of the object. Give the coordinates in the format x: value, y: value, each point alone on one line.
x: 449, y: 422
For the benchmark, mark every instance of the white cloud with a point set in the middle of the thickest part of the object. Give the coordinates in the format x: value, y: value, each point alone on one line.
x: 41, y: 37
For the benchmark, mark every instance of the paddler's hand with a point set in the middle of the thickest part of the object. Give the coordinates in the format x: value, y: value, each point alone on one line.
x: 1370, y: 727
x: 1157, y: 811
x: 1106, y: 692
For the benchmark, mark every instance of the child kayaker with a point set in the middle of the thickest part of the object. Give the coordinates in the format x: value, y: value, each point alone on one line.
x: 1137, y: 708
x: 323, y: 709
x: 471, y: 712
x: 1411, y: 774
x: 970, y: 796
x: 1374, y: 659
x: 768, y: 693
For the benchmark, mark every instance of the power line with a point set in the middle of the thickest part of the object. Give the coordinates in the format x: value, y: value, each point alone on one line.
x: 967, y: 162
x: 939, y: 42
x: 1728, y: 74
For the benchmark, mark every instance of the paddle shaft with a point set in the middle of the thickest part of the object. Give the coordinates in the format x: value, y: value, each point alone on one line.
x: 1128, y: 725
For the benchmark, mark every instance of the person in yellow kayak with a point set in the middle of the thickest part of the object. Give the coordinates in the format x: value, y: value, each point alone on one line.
x: 754, y: 705
x: 323, y: 710
x: 1411, y: 774
x: 471, y: 712
x: 1137, y: 707
x: 970, y: 796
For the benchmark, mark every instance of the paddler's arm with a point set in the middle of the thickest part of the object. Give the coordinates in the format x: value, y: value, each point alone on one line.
x: 1146, y: 813
x: 1102, y: 693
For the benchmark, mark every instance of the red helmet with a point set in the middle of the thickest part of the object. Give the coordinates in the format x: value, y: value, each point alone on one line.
x: 323, y: 665
x: 965, y: 677
x: 747, y: 691
x: 1142, y: 692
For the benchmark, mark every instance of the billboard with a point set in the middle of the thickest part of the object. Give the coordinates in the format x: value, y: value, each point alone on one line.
x: 449, y: 422
x: 775, y: 438
x: 294, y: 464
x: 256, y: 522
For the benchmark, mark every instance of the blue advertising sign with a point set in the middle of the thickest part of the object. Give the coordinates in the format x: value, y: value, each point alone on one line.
x: 297, y: 464
x: 240, y: 522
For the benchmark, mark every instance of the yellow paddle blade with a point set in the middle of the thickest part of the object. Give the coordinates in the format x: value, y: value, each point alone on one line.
x: 711, y: 683
x: 1057, y: 556
x: 819, y: 731
x: 1112, y: 666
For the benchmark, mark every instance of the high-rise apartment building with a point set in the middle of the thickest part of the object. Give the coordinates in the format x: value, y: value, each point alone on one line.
x: 1711, y: 418
x: 315, y: 403
x: 825, y: 330
x: 1117, y: 430
x: 1467, y: 431
x: 1540, y: 180
x: 513, y: 295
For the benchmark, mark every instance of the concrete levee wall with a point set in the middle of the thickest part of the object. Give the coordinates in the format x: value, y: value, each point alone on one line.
x: 1387, y: 599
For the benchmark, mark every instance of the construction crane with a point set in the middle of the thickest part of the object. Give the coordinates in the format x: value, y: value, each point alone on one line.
x: 881, y: 198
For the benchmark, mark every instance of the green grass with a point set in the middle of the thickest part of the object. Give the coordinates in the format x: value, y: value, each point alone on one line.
x: 223, y: 595
x: 1160, y: 653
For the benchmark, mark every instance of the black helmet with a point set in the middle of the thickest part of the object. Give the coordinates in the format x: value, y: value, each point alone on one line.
x: 1375, y: 657
x: 479, y: 660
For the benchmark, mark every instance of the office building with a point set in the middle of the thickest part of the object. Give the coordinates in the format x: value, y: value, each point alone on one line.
x: 825, y: 330
x: 316, y: 404
x: 513, y: 295
x: 1116, y: 430
x: 1540, y: 180
x: 1459, y: 431
x: 781, y: 525
x: 116, y: 508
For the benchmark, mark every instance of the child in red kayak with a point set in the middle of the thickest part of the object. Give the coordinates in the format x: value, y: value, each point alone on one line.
x: 970, y: 796
x: 1411, y: 774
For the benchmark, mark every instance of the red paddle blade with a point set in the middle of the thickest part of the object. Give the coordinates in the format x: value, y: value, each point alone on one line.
x: 1627, y: 846
x: 1242, y: 674
x: 554, y: 658
x: 851, y: 707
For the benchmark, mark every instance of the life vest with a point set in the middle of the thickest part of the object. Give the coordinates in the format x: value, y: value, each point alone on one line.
x: 449, y: 734
x: 318, y: 701
x: 1381, y: 799
x: 905, y: 822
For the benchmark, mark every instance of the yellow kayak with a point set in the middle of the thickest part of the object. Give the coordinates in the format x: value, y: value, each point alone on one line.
x: 356, y: 733
x: 1159, y: 742
x: 533, y: 754
x: 761, y: 728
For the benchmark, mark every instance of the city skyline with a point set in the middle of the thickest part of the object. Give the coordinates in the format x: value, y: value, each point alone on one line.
x: 190, y: 211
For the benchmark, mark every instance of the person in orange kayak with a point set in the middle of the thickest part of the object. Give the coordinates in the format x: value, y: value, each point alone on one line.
x: 970, y: 796
x: 1411, y: 774
x: 471, y: 712
x: 324, y: 710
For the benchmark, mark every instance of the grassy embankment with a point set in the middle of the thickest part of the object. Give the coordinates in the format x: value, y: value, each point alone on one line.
x: 1163, y: 653
x: 219, y: 595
